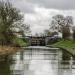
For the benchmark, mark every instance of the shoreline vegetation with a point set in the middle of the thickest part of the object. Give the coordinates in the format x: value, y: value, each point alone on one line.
x: 68, y: 45
x: 7, y: 50
x: 11, y: 49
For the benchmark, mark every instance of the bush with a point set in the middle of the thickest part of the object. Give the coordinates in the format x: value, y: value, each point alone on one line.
x: 19, y: 42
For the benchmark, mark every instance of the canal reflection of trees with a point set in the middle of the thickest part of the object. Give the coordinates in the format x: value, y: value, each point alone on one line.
x: 4, y: 68
x: 66, y: 57
x: 5, y: 62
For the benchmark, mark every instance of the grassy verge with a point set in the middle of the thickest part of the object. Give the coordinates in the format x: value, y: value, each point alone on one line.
x: 69, y: 45
x: 17, y: 45
x: 7, y: 50
x: 19, y: 42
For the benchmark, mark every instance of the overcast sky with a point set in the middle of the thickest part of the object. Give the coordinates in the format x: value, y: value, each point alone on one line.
x: 38, y: 13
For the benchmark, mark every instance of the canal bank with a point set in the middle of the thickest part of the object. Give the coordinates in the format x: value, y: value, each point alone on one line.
x: 7, y: 50
x: 16, y: 46
x: 66, y: 45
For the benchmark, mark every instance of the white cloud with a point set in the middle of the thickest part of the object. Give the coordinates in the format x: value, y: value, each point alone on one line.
x: 40, y: 19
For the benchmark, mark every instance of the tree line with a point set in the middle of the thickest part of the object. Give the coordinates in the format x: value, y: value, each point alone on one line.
x: 62, y: 24
x: 10, y: 18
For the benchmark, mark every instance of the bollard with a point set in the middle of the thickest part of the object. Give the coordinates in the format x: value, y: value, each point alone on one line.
x: 71, y: 62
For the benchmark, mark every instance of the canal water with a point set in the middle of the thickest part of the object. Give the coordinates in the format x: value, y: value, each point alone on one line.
x: 39, y: 61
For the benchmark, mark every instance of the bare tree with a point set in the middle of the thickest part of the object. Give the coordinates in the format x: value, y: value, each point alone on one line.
x: 62, y: 24
x: 73, y: 28
x: 47, y: 32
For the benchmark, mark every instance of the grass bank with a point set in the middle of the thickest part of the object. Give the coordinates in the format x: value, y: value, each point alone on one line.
x: 7, y: 50
x: 68, y: 45
x: 10, y: 49
x: 19, y: 42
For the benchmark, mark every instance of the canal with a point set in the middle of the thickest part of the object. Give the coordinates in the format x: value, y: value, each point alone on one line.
x: 36, y: 60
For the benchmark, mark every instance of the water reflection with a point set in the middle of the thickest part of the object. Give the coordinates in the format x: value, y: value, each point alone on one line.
x: 39, y: 62
x: 4, y: 68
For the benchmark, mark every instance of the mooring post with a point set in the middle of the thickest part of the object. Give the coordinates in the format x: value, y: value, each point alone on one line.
x: 71, y: 63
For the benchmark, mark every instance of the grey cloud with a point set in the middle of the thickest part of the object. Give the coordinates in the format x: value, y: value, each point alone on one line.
x: 28, y: 5
x: 56, y: 4
x: 23, y: 5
